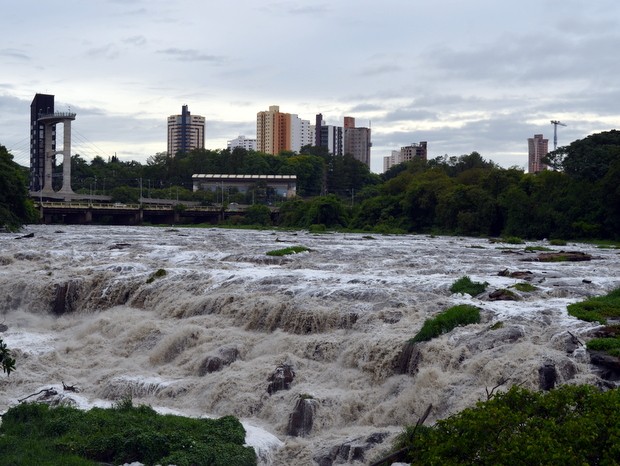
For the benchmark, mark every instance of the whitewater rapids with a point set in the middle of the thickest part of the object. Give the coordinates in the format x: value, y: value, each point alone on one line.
x: 84, y: 305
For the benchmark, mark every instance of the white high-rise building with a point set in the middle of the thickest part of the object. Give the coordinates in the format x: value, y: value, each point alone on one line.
x: 243, y: 142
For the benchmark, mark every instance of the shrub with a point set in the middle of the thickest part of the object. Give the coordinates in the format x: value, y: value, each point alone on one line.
x: 466, y: 285
x: 287, y: 251
x: 512, y: 240
x: 33, y: 433
x: 462, y: 314
x: 568, y: 425
x: 525, y: 287
x: 597, y: 309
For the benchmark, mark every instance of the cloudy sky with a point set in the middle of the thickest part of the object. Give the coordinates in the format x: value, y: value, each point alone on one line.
x: 476, y: 75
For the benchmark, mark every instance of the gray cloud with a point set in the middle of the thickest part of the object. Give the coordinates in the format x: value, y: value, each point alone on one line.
x: 191, y: 55
x: 14, y: 53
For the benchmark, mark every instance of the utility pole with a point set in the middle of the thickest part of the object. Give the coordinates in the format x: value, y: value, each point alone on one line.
x: 555, y: 124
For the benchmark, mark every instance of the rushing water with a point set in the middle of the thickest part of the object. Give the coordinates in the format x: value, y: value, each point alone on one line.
x: 81, y: 306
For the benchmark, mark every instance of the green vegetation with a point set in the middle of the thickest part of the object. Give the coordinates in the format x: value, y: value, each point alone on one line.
x: 6, y: 361
x: 512, y: 240
x: 287, y: 251
x: 466, y: 286
x: 572, y: 425
x: 597, y: 309
x: 157, y: 274
x: 462, y: 314
x: 537, y: 248
x: 464, y: 195
x: 497, y: 325
x: 33, y: 433
x: 16, y: 208
x: 557, y: 242
x: 525, y: 287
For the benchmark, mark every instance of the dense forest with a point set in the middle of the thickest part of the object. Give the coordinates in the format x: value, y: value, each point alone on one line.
x: 578, y: 198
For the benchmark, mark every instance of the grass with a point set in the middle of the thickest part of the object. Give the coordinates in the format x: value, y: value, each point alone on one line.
x: 287, y: 251
x: 455, y: 316
x: 34, y: 433
x: 525, y: 287
x: 597, y: 309
x: 465, y: 285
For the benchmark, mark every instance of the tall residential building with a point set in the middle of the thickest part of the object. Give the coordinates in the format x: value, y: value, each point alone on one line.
x: 331, y: 137
x: 406, y: 154
x: 538, y: 147
x: 185, y: 132
x: 357, y: 141
x: 41, y: 104
x: 277, y: 131
x: 243, y: 142
x: 414, y: 150
x: 273, y: 131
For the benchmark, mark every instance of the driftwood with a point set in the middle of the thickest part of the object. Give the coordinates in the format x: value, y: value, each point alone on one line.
x: 501, y: 382
x: 397, y: 454
x: 70, y: 388
x: 47, y: 391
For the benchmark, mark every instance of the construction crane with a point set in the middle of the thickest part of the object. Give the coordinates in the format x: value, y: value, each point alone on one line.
x: 555, y: 124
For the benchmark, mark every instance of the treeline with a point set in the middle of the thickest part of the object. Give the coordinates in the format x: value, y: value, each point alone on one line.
x: 579, y: 198
x: 318, y: 173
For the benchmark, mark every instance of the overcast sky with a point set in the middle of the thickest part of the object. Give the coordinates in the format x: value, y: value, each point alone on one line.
x: 475, y: 75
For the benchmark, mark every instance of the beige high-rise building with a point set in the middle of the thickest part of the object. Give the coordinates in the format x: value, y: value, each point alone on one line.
x: 273, y: 131
x: 185, y: 132
x: 538, y: 147
x: 357, y: 141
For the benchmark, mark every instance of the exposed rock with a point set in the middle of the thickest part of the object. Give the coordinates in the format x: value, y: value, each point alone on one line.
x: 3, y: 327
x: 547, y: 376
x: 409, y: 359
x: 608, y: 366
x: 352, y: 450
x: 281, y: 378
x: 563, y: 256
x: 29, y: 235
x: 503, y: 295
x: 521, y: 275
x: 213, y: 363
x: 488, y: 339
x: 301, y: 419
x: 120, y: 246
x: 64, y: 297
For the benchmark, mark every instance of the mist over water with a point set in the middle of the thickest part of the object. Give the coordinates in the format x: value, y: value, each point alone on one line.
x: 83, y: 307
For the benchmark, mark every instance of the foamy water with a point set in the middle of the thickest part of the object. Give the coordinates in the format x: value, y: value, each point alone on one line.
x: 338, y: 314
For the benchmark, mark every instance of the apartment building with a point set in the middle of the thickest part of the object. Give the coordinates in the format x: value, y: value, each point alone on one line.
x: 538, y: 147
x: 185, y: 132
x: 357, y: 141
x: 243, y: 142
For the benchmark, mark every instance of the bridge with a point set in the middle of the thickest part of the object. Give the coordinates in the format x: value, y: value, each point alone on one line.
x: 137, y: 214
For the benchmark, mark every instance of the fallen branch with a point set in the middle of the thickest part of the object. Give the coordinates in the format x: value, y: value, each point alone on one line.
x: 575, y: 338
x: 402, y: 451
x: 47, y: 391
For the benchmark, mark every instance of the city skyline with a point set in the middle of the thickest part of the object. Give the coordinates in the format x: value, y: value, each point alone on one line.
x: 477, y: 76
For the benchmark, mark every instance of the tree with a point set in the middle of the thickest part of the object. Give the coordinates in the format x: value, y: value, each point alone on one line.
x: 588, y: 158
x: 15, y: 206
x: 6, y: 361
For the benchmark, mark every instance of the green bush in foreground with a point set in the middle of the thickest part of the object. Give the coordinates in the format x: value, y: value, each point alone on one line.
x: 37, y: 434
x: 466, y: 286
x: 571, y: 425
x: 463, y: 314
x: 287, y: 251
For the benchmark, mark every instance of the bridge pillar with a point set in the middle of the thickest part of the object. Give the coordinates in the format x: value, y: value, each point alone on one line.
x: 50, y: 120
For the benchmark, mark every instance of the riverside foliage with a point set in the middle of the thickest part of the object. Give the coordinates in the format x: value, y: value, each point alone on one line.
x: 34, y: 433
x: 571, y: 425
